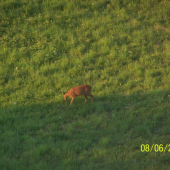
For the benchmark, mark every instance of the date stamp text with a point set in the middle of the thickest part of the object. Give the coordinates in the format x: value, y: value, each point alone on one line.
x: 155, y: 147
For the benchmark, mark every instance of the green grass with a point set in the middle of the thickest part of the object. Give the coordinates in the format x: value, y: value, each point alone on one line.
x: 121, y: 48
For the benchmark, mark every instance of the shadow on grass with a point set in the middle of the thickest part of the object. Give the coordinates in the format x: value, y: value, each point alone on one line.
x: 113, y: 127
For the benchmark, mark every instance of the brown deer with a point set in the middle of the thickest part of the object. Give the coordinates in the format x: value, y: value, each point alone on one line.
x: 78, y: 91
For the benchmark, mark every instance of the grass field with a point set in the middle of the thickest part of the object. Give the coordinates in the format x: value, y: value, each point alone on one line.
x: 119, y: 47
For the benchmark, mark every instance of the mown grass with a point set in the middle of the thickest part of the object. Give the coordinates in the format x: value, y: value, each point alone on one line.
x: 120, y: 48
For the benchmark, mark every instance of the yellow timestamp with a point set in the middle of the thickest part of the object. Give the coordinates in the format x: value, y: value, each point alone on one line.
x: 155, y: 147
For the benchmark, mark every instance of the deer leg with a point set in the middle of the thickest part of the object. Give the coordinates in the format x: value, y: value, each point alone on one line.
x: 72, y: 100
x: 92, y: 97
x: 85, y: 99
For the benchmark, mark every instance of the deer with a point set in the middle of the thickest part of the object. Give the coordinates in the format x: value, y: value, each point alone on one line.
x: 78, y: 91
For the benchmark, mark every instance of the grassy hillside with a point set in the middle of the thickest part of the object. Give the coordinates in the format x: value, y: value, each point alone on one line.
x: 121, y: 48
